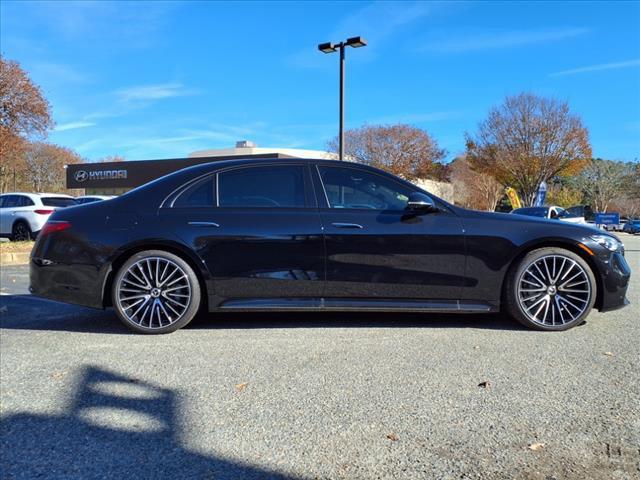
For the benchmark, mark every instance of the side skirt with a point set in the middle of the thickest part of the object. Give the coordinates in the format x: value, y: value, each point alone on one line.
x: 348, y: 304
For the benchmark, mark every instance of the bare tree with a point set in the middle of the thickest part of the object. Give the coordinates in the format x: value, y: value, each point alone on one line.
x: 24, y: 112
x: 403, y: 150
x: 602, y: 181
x: 45, y: 166
x: 527, y: 140
x: 476, y: 190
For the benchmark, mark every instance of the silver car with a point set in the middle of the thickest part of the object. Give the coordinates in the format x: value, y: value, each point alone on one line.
x: 22, y: 215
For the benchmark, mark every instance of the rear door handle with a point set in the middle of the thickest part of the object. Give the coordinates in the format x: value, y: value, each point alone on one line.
x: 204, y: 224
x: 347, y: 225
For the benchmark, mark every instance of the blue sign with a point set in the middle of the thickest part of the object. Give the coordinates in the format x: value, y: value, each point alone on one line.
x: 542, y: 193
x: 612, y: 218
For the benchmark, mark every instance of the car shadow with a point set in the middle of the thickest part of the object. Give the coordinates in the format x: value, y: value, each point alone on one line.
x: 334, y: 319
x: 25, y: 312
x: 114, y: 426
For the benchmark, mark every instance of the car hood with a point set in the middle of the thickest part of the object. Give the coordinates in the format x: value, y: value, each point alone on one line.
x: 523, y: 220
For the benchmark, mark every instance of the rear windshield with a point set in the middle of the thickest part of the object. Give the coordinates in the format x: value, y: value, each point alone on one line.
x: 58, y: 202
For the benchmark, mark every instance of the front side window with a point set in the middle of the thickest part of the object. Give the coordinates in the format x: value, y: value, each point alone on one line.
x: 264, y: 186
x: 355, y: 188
x: 10, y: 201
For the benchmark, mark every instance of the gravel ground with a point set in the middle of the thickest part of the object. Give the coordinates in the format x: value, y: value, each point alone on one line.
x: 317, y: 395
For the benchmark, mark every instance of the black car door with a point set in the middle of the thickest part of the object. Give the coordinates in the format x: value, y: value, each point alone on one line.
x: 375, y: 248
x: 261, y: 235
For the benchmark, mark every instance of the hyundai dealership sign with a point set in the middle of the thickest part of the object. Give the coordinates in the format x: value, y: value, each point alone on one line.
x: 83, y: 175
x: 131, y: 174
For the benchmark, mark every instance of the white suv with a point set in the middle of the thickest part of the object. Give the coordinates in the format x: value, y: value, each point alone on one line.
x: 22, y: 215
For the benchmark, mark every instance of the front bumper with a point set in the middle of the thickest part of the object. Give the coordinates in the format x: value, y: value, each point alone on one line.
x: 615, y: 274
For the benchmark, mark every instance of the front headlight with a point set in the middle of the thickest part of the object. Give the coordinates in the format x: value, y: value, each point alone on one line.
x: 608, y: 242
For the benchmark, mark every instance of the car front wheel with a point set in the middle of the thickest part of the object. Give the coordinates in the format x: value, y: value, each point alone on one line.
x: 551, y: 289
x: 156, y: 292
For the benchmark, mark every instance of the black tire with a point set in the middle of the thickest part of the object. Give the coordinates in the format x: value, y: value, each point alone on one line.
x: 152, y: 261
x: 21, y: 232
x: 515, y: 300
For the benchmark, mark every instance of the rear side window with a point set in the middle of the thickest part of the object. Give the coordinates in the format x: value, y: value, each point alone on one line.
x: 198, y: 195
x: 24, y: 201
x: 58, y: 202
x: 269, y: 186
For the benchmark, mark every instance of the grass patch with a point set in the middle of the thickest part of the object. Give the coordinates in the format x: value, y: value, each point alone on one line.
x: 16, y: 247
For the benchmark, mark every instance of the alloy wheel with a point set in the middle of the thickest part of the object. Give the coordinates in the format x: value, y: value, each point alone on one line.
x: 554, y: 290
x: 154, y: 292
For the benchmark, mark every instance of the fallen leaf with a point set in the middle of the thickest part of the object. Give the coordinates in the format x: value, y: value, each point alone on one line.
x: 476, y: 347
x: 393, y: 437
x: 241, y: 386
x: 58, y: 375
x: 485, y: 384
x: 536, y: 446
x: 609, y: 354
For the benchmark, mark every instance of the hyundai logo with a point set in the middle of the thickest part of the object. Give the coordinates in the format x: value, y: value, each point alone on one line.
x: 81, y: 175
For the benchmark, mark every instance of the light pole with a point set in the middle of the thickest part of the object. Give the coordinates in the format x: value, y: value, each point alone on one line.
x: 355, y: 42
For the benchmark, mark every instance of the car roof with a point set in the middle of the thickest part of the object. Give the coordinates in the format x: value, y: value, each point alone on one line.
x: 222, y: 164
x: 38, y: 195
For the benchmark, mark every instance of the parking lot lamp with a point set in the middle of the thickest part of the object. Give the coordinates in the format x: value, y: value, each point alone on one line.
x: 328, y: 47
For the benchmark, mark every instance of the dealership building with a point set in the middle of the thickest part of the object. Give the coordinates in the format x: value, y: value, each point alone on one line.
x: 115, y: 178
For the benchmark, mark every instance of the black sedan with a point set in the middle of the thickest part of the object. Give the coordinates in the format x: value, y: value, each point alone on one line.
x: 317, y: 235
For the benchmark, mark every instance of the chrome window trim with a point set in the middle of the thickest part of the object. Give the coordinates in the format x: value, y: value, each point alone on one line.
x: 178, y: 192
x: 324, y: 190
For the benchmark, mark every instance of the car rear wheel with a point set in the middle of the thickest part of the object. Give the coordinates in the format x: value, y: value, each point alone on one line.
x: 551, y: 289
x: 156, y: 292
x: 20, y: 232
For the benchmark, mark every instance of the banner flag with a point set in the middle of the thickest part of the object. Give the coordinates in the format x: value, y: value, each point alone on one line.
x: 513, y: 198
x: 542, y: 194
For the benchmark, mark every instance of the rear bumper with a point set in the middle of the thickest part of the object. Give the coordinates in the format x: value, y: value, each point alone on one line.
x: 615, y: 274
x: 76, y: 284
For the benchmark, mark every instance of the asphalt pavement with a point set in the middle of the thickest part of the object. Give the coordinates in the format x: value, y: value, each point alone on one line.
x: 320, y: 395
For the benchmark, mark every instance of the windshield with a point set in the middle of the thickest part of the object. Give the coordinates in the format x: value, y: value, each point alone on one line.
x: 532, y: 211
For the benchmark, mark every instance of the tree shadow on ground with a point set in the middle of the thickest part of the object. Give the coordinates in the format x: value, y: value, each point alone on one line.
x: 115, y: 427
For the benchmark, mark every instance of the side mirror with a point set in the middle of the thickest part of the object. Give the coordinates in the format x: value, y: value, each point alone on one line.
x: 421, y: 203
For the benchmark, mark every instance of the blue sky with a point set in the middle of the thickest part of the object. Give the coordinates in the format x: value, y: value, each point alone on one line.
x: 158, y: 80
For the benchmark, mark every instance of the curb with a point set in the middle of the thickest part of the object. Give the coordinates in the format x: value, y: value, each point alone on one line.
x: 14, y: 258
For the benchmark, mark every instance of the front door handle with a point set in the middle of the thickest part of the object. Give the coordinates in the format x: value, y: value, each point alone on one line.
x: 347, y: 225
x: 204, y: 224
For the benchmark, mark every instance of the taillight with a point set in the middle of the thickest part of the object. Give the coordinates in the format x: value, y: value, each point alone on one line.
x: 43, y: 212
x: 54, y: 226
